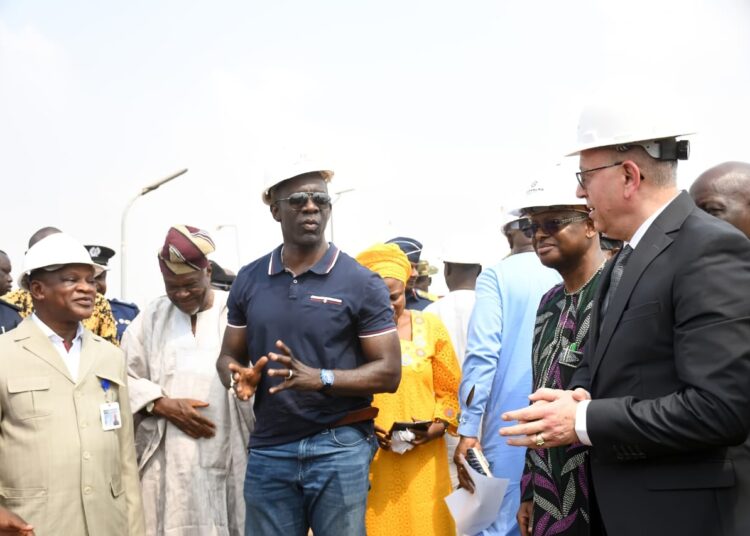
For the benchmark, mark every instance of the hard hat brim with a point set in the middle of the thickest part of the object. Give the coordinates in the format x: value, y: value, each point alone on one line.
x: 522, y: 211
x: 625, y: 140
x: 326, y: 175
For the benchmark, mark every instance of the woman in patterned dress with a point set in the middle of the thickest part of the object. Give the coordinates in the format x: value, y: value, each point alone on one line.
x: 554, y: 487
x: 407, y: 490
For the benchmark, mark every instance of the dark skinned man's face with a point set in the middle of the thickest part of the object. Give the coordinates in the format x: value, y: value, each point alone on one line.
x: 66, y: 294
x: 302, y: 225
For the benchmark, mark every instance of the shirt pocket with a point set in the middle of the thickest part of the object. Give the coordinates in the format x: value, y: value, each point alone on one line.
x: 323, y: 309
x: 30, y: 397
x: 112, y: 381
x: 640, y: 311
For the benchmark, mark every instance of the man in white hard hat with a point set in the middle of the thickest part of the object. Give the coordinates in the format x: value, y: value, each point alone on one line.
x: 66, y: 432
x: 101, y: 321
x: 461, y: 269
x: 311, y: 333
x: 668, y: 363
x: 564, y: 239
x: 496, y: 373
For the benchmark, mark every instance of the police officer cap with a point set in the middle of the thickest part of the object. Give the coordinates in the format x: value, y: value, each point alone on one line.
x: 425, y: 269
x: 411, y: 247
x: 100, y: 254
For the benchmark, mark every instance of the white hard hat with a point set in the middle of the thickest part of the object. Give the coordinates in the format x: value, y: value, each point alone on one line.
x: 285, y: 171
x: 508, y: 217
x: 627, y: 121
x: 461, y: 249
x: 556, y: 189
x: 53, y: 252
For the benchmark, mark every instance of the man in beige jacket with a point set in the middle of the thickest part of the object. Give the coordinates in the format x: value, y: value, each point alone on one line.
x: 66, y: 431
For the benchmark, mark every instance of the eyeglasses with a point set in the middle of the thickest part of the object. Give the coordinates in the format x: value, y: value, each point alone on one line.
x: 551, y: 226
x: 299, y: 199
x: 580, y: 174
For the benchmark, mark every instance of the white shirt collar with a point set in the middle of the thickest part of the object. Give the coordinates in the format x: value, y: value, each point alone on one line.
x: 51, y: 334
x: 641, y: 231
x: 70, y: 356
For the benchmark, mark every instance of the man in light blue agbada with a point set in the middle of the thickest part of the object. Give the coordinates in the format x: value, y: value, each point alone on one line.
x: 496, y: 372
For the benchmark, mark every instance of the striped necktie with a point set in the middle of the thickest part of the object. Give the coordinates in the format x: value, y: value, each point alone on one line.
x: 614, y: 278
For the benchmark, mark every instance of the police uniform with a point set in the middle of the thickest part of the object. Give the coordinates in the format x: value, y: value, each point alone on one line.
x: 415, y: 299
x: 122, y: 312
x: 10, y: 316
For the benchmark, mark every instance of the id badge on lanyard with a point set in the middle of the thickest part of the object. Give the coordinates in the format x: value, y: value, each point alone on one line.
x: 109, y: 411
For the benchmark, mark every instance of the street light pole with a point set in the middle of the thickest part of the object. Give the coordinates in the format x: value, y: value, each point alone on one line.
x: 236, y: 239
x: 337, y: 196
x: 123, y: 228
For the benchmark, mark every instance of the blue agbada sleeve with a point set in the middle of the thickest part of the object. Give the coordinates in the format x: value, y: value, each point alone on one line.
x: 484, y: 341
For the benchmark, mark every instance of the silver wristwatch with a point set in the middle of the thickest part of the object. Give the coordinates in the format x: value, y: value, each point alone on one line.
x: 327, y: 378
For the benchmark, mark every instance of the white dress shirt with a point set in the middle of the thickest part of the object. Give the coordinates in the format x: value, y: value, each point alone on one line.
x: 580, y: 422
x: 72, y: 357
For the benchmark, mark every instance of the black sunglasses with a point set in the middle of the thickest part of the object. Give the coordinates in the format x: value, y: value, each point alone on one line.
x: 552, y: 226
x: 299, y: 199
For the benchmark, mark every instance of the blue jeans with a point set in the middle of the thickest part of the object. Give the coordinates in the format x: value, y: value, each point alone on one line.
x: 319, y: 482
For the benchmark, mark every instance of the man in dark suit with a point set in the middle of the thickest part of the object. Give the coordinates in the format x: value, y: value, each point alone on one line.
x: 668, y: 366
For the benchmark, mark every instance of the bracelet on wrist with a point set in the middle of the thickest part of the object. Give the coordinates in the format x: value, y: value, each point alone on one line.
x: 444, y: 423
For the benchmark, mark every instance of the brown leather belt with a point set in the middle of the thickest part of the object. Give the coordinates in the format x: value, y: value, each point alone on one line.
x: 358, y: 415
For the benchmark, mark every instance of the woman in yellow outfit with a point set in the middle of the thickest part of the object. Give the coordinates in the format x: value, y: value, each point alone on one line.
x: 407, y: 490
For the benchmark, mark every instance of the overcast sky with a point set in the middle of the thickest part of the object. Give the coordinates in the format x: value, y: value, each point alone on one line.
x: 438, y: 114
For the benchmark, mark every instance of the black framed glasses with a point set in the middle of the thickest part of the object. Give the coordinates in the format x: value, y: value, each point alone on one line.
x: 580, y: 174
x: 552, y: 226
x: 299, y: 199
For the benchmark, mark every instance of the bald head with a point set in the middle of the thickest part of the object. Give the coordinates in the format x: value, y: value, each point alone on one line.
x: 724, y: 191
x: 44, y: 232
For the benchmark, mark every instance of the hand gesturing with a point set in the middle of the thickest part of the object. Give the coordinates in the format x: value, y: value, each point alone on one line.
x: 246, y: 379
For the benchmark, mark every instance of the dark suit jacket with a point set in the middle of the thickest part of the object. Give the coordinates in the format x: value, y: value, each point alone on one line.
x: 669, y: 373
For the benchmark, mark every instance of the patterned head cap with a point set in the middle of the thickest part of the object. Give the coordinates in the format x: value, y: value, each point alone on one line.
x: 185, y: 250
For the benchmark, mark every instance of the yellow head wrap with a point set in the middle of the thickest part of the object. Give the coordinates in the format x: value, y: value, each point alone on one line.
x: 386, y: 260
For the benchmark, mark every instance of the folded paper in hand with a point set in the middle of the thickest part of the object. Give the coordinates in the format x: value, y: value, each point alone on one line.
x: 474, y: 512
x: 401, y: 441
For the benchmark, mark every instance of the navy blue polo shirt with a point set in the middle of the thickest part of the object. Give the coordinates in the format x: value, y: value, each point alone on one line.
x: 321, y: 315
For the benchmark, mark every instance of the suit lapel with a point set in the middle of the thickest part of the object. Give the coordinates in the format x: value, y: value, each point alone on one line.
x: 88, y: 353
x: 598, y: 297
x: 655, y: 241
x: 33, y: 340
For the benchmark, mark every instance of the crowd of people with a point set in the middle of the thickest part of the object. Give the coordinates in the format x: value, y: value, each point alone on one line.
x: 320, y: 392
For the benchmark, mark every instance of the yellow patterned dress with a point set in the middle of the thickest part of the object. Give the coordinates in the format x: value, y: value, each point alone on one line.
x: 407, y: 490
x: 101, y: 321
